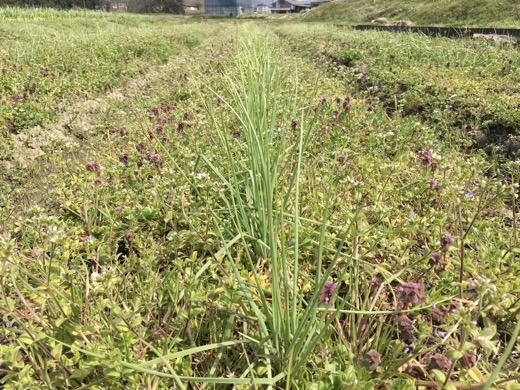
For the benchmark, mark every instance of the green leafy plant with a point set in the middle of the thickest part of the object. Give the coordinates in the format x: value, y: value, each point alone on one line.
x: 348, y: 56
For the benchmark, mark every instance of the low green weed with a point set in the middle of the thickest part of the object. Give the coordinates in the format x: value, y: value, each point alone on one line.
x: 348, y: 56
x: 250, y: 219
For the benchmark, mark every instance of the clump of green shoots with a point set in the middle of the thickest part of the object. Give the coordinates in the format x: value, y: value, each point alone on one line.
x: 262, y: 189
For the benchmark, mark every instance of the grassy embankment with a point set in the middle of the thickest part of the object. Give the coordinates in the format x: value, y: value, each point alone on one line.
x: 451, y: 13
x: 242, y: 210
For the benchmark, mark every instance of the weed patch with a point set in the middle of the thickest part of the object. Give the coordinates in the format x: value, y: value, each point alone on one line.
x: 250, y: 214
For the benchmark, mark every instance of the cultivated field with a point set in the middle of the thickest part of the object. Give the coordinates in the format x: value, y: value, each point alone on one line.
x: 212, y: 203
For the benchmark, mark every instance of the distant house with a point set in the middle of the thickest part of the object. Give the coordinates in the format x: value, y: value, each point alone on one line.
x: 120, y: 6
x: 263, y: 8
x: 247, y: 8
x: 289, y: 6
x: 228, y: 7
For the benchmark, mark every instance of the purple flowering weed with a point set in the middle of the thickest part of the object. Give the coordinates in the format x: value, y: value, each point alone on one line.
x: 327, y: 292
x: 412, y: 293
x: 447, y: 240
x: 94, y: 166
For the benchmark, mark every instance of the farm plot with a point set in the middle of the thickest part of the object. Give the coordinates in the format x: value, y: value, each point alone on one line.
x: 240, y: 216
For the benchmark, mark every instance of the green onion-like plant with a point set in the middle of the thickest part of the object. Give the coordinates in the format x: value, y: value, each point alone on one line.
x: 272, y: 129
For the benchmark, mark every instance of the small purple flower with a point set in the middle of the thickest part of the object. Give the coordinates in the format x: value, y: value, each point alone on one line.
x: 342, y: 159
x: 439, y: 361
x: 327, y: 292
x: 375, y: 281
x: 335, y: 114
x: 406, y: 328
x: 424, y: 157
x: 412, y: 293
x: 237, y: 134
x: 94, y: 167
x: 373, y: 358
x: 140, y: 146
x: 434, y: 185
x: 165, y: 107
x: 435, y: 259
x: 408, y: 348
x: 124, y: 158
x: 180, y: 127
x: 489, y: 212
x: 346, y: 104
x: 154, y: 158
x: 370, y: 108
x: 186, y: 116
x: 325, y: 129
x: 294, y: 124
x: 454, y: 305
x: 438, y: 315
x: 469, y: 359
x: 470, y: 194
x: 447, y: 240
x: 153, y: 112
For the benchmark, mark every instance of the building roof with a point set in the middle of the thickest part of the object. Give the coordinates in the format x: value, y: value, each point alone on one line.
x: 299, y: 3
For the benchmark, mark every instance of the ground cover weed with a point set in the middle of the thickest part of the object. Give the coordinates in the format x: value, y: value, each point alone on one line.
x: 317, y: 243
